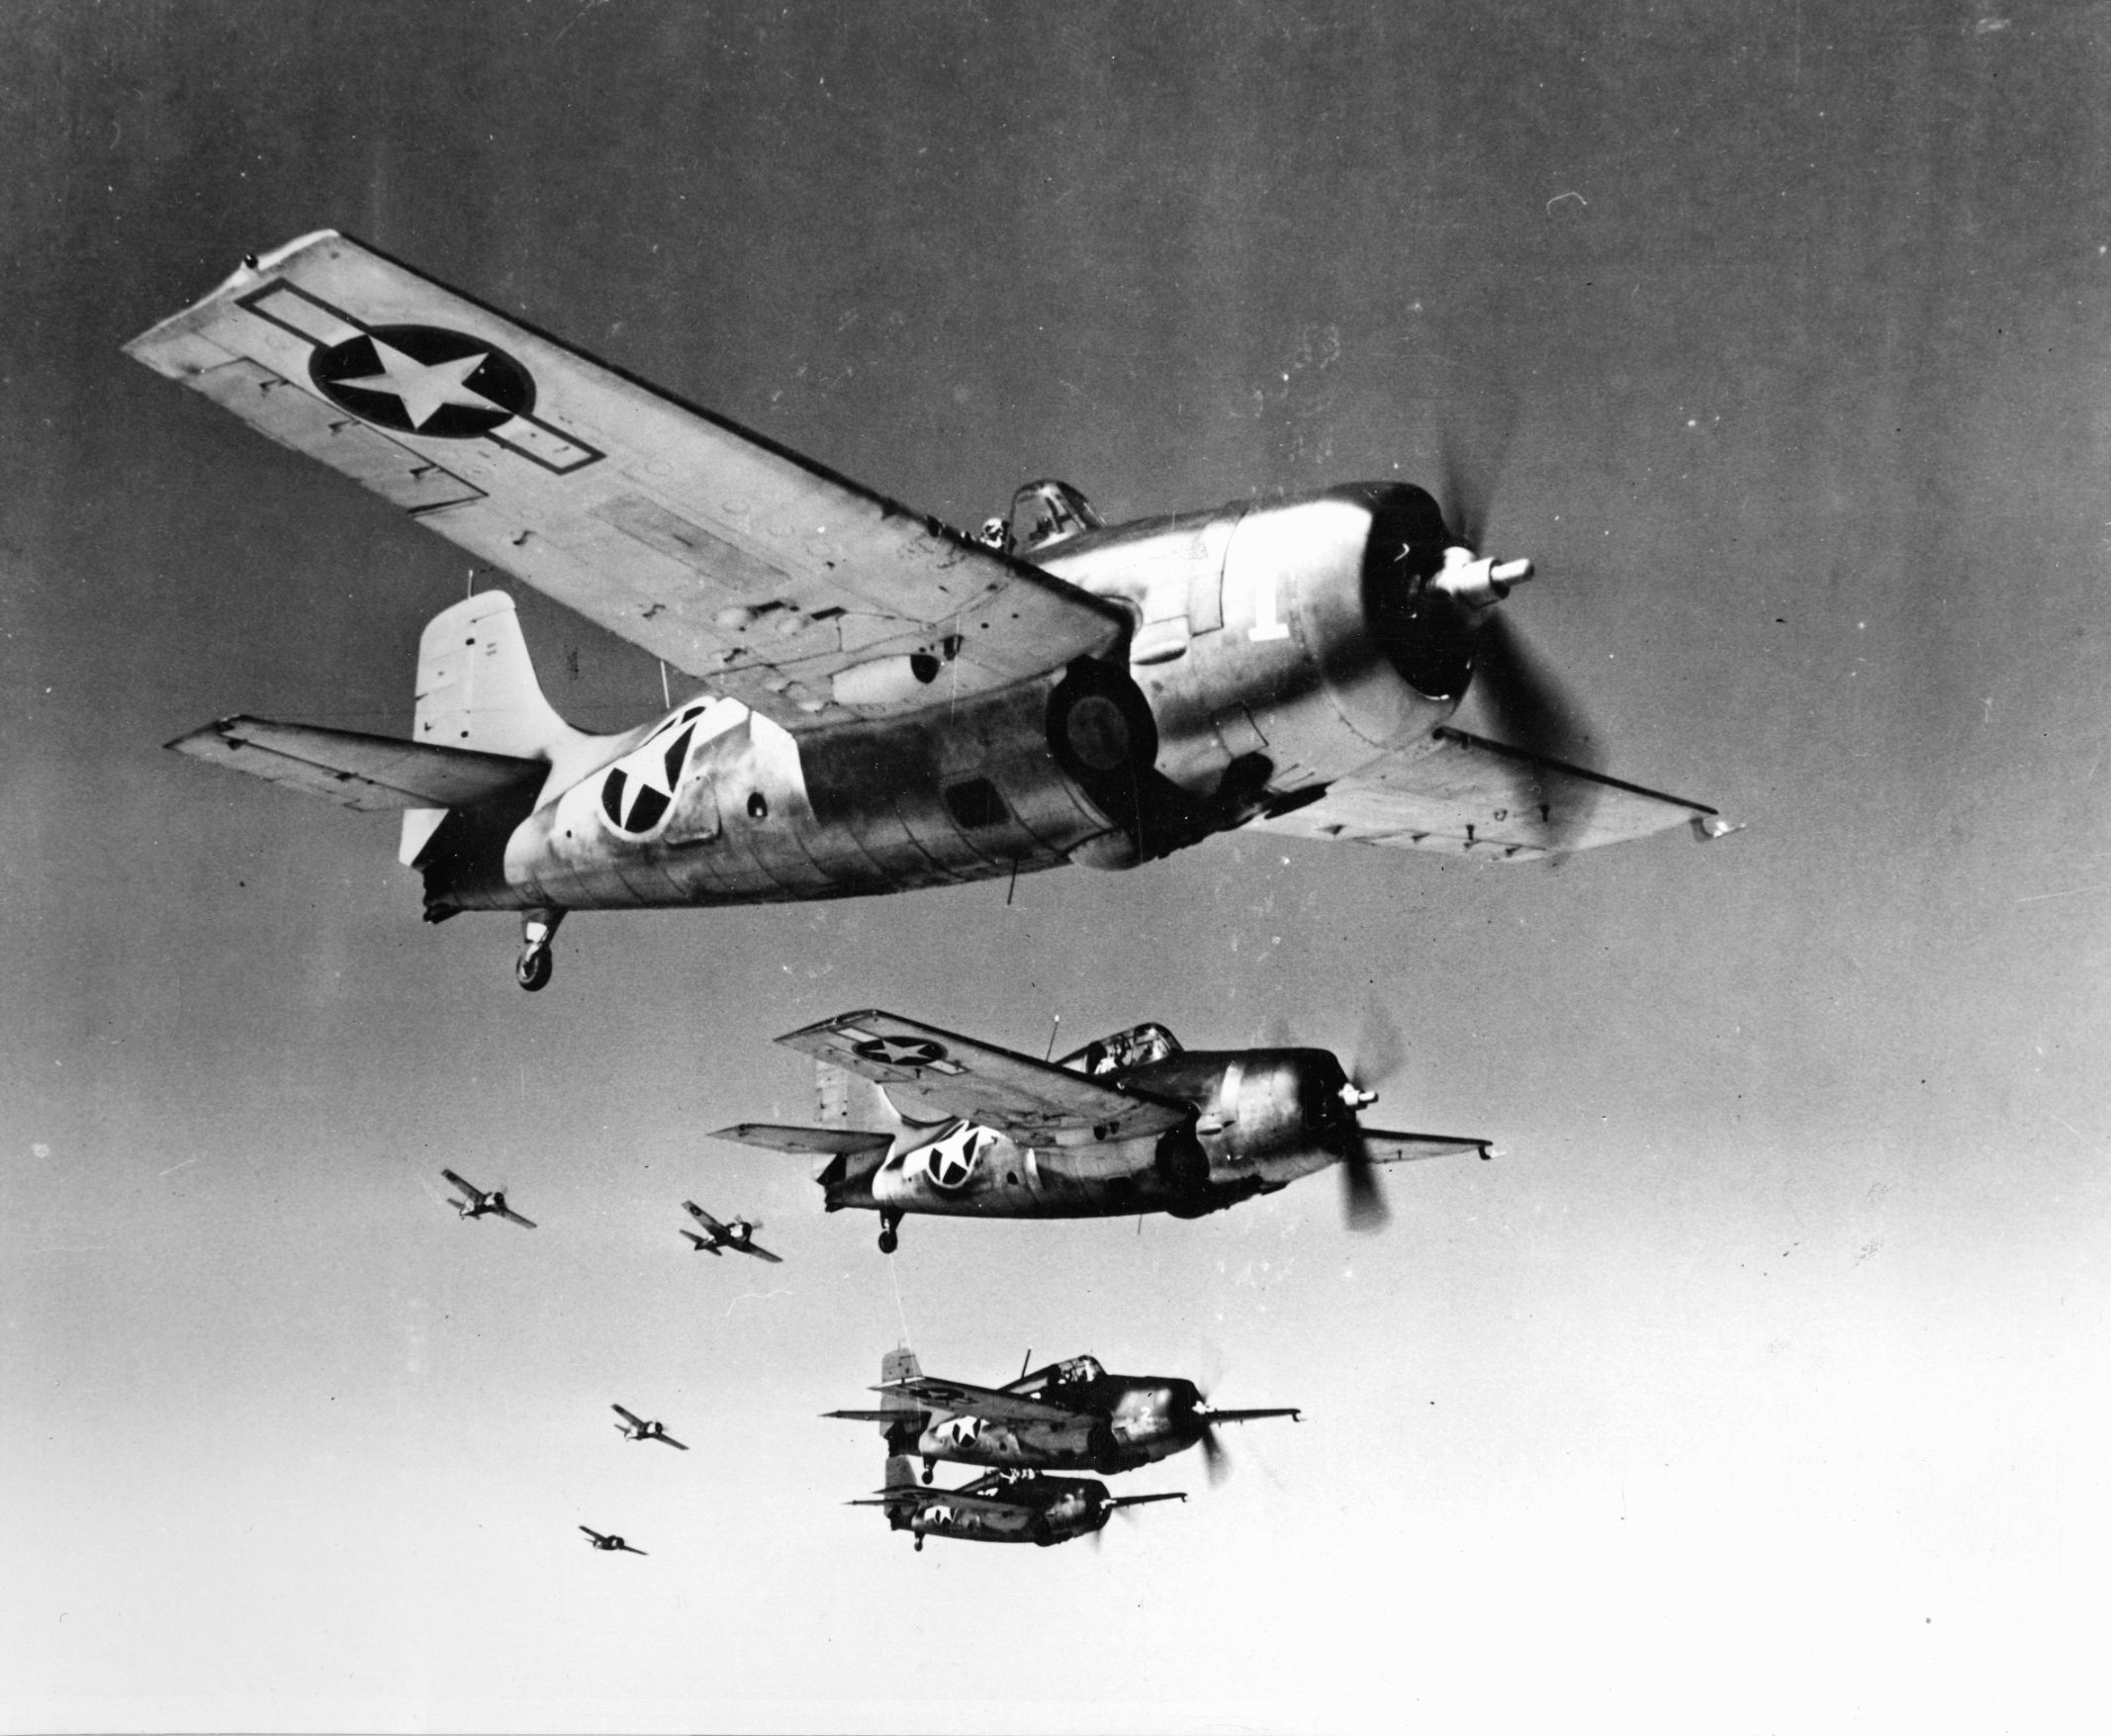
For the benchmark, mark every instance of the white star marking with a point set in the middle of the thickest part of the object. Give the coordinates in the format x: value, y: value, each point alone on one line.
x: 424, y: 388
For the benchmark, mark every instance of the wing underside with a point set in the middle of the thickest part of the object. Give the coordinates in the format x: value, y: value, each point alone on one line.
x: 744, y: 564
x: 961, y: 1399
x: 1389, y: 1147
x: 815, y: 1141
x: 1468, y: 795
x: 933, y: 1075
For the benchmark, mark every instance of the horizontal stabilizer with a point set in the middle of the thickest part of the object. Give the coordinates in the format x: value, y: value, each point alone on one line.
x: 370, y: 774
x: 1385, y: 1148
x: 821, y: 1141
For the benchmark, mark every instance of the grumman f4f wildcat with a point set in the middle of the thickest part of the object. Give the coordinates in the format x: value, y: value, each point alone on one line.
x: 884, y: 703
x: 1006, y: 1507
x: 1071, y: 1415
x: 1131, y: 1124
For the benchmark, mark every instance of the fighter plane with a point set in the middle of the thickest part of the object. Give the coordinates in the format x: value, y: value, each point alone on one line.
x: 880, y: 702
x: 1128, y: 1124
x: 477, y: 1203
x: 737, y: 1235
x: 600, y: 1541
x: 635, y: 1427
x: 1006, y: 1507
x: 1070, y: 1415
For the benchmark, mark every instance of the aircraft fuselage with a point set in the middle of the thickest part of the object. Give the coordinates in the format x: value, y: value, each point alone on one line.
x: 1264, y: 1117
x: 1276, y: 648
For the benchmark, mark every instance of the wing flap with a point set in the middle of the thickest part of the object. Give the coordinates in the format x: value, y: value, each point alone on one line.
x: 738, y: 562
x: 369, y: 774
x: 1468, y: 795
x: 933, y: 1075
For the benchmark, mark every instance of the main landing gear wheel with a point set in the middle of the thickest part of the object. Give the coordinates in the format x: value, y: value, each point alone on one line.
x: 537, y: 961
x: 928, y: 1469
x: 889, y: 1222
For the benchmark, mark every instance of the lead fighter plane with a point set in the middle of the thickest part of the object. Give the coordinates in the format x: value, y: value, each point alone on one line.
x: 1070, y: 1415
x: 1128, y: 1124
x: 881, y: 702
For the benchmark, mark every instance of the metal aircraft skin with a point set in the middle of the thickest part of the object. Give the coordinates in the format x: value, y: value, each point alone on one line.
x: 881, y: 701
x: 1128, y: 1124
x: 608, y: 1540
x: 475, y: 1202
x: 737, y: 1235
x: 636, y: 1427
x: 1071, y: 1415
x: 1006, y: 1507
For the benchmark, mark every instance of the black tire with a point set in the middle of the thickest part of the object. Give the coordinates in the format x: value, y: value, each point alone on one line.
x: 532, y: 969
x: 889, y: 1241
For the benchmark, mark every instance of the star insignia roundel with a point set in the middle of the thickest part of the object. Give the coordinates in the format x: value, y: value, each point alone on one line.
x: 423, y: 380
x: 902, y: 1051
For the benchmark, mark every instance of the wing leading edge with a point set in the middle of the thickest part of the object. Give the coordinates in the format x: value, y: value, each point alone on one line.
x: 739, y: 562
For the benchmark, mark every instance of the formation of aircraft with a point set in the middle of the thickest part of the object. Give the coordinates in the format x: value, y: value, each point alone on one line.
x: 1131, y: 1124
x: 1071, y: 1415
x: 739, y: 1236
x: 878, y: 702
x: 475, y: 1203
x: 883, y: 703
x: 1006, y: 1507
x: 636, y: 1427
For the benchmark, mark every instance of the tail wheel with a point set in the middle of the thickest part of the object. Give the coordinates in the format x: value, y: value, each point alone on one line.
x: 533, y: 968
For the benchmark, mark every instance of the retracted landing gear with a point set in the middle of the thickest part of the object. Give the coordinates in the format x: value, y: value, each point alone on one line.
x: 889, y: 1222
x: 532, y: 968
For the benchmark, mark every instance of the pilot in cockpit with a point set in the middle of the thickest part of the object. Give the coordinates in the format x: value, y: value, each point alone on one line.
x: 1047, y: 513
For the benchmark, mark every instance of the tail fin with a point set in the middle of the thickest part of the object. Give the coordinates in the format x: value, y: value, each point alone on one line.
x: 850, y: 1100
x: 904, y: 1417
x: 477, y: 688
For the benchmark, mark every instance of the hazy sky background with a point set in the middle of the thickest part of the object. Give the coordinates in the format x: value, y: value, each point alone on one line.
x: 1759, y: 1387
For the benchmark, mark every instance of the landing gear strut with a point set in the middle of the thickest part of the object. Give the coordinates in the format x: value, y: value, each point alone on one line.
x: 889, y: 1222
x: 532, y: 968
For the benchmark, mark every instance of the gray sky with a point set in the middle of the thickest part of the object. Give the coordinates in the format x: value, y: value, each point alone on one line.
x: 1758, y: 1387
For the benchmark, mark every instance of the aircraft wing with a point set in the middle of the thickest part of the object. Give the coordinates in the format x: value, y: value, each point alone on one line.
x: 365, y: 773
x: 635, y: 1421
x: 474, y: 1195
x: 821, y: 1141
x: 1385, y: 1148
x: 1468, y: 795
x: 514, y: 1217
x: 761, y: 1254
x: 909, y: 1494
x: 670, y: 1441
x: 701, y: 1216
x: 748, y: 567
x: 962, y: 1400
x: 933, y: 1075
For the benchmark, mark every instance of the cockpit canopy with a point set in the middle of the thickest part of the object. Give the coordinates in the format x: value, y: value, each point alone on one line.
x: 1047, y: 513
x: 1118, y: 1054
x: 1077, y: 1371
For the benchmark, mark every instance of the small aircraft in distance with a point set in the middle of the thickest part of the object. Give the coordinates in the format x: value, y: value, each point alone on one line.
x: 737, y: 1235
x: 635, y: 1427
x: 477, y: 1202
x: 877, y: 701
x: 1128, y: 1124
x: 608, y: 1540
x: 1006, y: 1507
x: 1070, y: 1415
